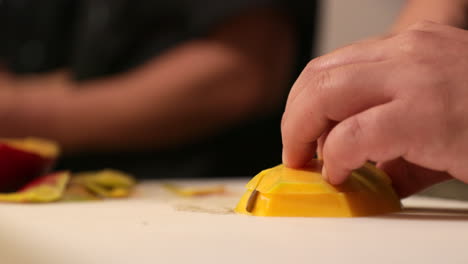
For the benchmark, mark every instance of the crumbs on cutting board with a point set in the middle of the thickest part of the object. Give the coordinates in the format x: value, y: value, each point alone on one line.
x: 200, y: 198
x: 195, y: 191
x: 203, y: 209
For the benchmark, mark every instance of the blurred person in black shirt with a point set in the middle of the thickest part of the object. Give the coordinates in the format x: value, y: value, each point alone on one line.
x: 155, y: 88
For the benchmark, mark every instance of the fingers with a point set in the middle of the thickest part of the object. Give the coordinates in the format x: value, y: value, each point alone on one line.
x: 366, y: 51
x: 371, y: 50
x: 322, y: 138
x: 356, y: 87
x: 377, y: 134
x: 330, y: 95
x: 408, y: 178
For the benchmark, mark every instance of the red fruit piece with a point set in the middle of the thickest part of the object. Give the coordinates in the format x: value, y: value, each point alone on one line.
x: 49, y: 188
x: 23, y: 160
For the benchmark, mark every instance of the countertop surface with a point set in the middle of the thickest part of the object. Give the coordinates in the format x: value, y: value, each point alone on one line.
x: 156, y: 226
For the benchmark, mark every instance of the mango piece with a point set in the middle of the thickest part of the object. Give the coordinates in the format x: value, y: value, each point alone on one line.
x: 106, y: 183
x: 78, y: 193
x: 49, y: 188
x: 282, y: 191
x: 23, y: 160
x: 60, y: 186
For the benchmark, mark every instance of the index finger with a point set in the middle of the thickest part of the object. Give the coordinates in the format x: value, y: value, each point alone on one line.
x: 331, y: 95
x: 366, y: 51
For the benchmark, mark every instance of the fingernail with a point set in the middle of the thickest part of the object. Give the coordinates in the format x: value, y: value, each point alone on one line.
x: 324, y: 173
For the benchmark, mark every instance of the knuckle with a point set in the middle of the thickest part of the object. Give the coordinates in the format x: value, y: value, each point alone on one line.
x: 343, y: 143
x: 412, y: 42
x: 353, y: 130
x: 422, y: 25
x: 311, y: 68
x: 322, y: 82
x: 318, y: 64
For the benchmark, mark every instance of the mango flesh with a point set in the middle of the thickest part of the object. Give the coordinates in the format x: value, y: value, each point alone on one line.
x: 62, y: 186
x: 44, y: 189
x: 281, y: 191
x: 23, y: 160
x: 105, y: 183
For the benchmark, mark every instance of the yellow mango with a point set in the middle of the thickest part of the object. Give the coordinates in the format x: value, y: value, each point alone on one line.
x: 282, y: 191
x: 106, y: 183
x: 45, y: 189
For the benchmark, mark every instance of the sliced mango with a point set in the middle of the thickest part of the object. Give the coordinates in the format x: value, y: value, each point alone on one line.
x: 106, y: 183
x: 49, y: 188
x: 282, y: 191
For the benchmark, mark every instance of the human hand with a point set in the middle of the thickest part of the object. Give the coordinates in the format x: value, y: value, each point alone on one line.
x: 401, y: 102
x: 448, y: 12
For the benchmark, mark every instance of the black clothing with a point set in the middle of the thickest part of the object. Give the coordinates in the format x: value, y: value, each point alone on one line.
x: 97, y: 38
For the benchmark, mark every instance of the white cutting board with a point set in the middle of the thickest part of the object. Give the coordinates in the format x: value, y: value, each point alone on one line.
x: 157, y: 227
